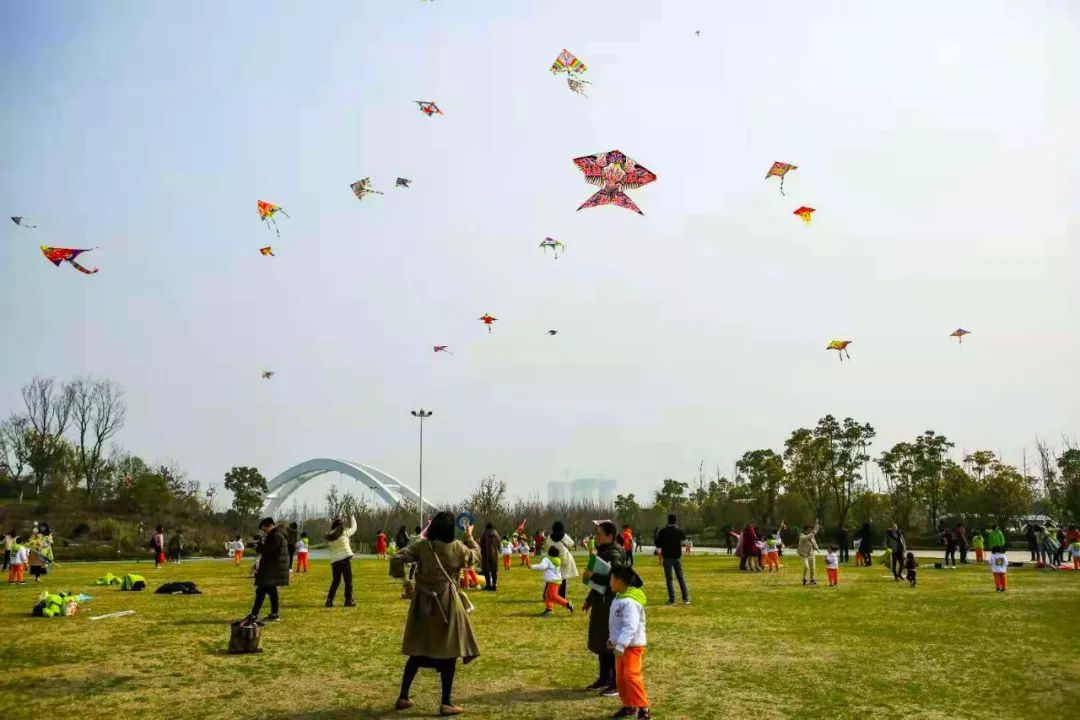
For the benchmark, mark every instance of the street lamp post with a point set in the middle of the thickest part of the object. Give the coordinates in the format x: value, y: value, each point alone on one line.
x: 421, y: 413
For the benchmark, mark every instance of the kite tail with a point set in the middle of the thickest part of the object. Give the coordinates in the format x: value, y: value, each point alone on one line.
x: 782, y: 186
x: 81, y: 269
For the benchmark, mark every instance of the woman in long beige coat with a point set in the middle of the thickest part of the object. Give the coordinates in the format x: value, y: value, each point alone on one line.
x: 437, y: 629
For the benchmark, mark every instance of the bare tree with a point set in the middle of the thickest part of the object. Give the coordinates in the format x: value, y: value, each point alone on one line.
x: 97, y: 411
x: 48, y: 410
x: 15, y: 450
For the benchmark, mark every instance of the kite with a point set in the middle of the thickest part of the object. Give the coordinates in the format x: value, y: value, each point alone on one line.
x: 59, y: 255
x: 21, y: 222
x: 698, y: 33
x: 554, y: 245
x: 840, y: 346
x: 267, y: 212
x: 267, y: 374
x: 428, y: 108
x: 805, y: 213
x: 267, y: 251
x: 780, y: 169
x: 614, y: 173
x: 361, y: 188
x: 959, y: 334
x: 442, y: 348
x: 488, y: 320
x: 553, y: 332
x: 402, y: 182
x: 567, y: 63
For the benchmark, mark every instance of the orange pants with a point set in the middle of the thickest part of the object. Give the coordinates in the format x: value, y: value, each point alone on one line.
x: 1001, y: 581
x: 832, y: 573
x: 301, y: 562
x: 524, y: 560
x: 238, y: 556
x: 772, y: 561
x: 1076, y: 562
x: 628, y: 678
x: 15, y: 573
x: 978, y: 555
x: 469, y: 579
x: 551, y: 596
x: 506, y: 562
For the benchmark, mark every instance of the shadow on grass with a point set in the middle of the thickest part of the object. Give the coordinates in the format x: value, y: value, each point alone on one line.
x: 368, y: 712
x: 517, y: 695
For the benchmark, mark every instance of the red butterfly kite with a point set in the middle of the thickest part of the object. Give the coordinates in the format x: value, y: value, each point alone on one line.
x: 442, y: 348
x: 805, y: 213
x: 614, y: 173
x: 59, y: 255
x: 267, y: 251
x: 488, y: 320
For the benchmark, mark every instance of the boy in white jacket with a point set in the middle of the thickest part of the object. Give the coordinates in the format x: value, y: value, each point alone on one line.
x: 626, y: 636
x: 552, y: 581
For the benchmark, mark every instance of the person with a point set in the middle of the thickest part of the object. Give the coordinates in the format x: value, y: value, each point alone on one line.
x: 772, y: 549
x: 564, y: 543
x: 1074, y: 547
x: 340, y: 559
x: 894, y: 542
x: 841, y: 543
x: 19, y: 559
x: 9, y: 542
x: 598, y: 605
x: 523, y: 552
x: 1030, y: 534
x: 303, y: 546
x: 729, y: 540
x: 855, y: 543
x: 995, y: 538
x: 670, y: 541
x: 437, y: 627
x: 157, y: 546
x: 401, y: 539
x: 380, y: 544
x: 688, y: 546
x: 490, y: 549
x: 747, y: 543
x: 832, y: 565
x: 39, y: 549
x: 807, y: 550
x: 176, y: 546
x: 237, y: 550
x: 960, y: 535
x: 553, y: 579
x: 910, y: 566
x: 628, y: 544
x: 590, y: 545
x: 273, y: 569
x: 538, y: 543
x: 292, y: 534
x: 949, y: 540
x: 507, y: 553
x: 999, y: 566
x: 626, y: 638
x: 977, y: 546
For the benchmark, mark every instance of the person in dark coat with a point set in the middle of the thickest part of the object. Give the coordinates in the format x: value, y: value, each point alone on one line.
x: 598, y: 605
x: 960, y: 533
x: 866, y: 546
x: 670, y: 541
x: 273, y: 569
x: 490, y: 549
x: 293, y: 536
x: 747, y: 545
x: 842, y: 543
x: 401, y: 540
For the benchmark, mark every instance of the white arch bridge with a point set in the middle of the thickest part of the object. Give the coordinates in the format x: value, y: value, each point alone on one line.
x: 384, y: 485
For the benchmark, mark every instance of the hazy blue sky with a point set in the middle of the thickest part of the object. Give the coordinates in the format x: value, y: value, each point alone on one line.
x: 938, y: 142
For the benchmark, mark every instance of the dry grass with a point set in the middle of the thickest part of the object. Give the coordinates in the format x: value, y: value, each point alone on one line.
x: 749, y: 646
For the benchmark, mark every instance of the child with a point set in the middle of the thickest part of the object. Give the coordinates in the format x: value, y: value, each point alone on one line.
x: 909, y: 566
x: 772, y: 557
x: 552, y: 580
x: 858, y: 556
x: 469, y: 578
x: 999, y: 566
x: 759, y: 556
x: 302, y: 546
x: 238, y: 550
x: 19, y: 558
x: 688, y: 547
x: 523, y: 552
x: 832, y: 565
x: 507, y: 554
x: 626, y: 636
x: 380, y: 544
x: 977, y: 546
x: 1075, y: 547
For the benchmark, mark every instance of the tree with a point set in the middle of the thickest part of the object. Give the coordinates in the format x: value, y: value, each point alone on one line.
x: 847, y: 458
x: 763, y: 472
x: 898, y: 466
x: 808, y: 460
x: 248, y: 487
x: 48, y: 410
x: 930, y: 449
x: 333, y: 502
x: 1001, y: 491
x: 672, y: 495
x: 15, y: 451
x: 489, y: 499
x: 1069, y: 470
x: 97, y: 411
x: 626, y: 506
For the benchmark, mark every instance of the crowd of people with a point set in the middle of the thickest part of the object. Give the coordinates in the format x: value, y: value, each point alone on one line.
x: 30, y: 553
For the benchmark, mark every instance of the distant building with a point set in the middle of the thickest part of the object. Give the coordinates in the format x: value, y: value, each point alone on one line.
x: 558, y: 491
x: 583, y: 490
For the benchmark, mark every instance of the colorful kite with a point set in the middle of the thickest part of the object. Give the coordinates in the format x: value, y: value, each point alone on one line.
x: 57, y: 255
x: 780, y: 169
x: 959, y: 334
x: 805, y: 213
x: 267, y: 251
x: 362, y: 188
x: 553, y: 332
x: 267, y: 212
x: 442, y: 348
x: 840, y: 346
x: 402, y: 182
x: 554, y: 245
x: 614, y: 172
x: 567, y: 63
x: 268, y: 374
x: 428, y: 108
x: 21, y: 222
x: 488, y: 320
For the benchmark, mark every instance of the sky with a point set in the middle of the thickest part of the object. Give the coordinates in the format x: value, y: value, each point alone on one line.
x: 937, y: 141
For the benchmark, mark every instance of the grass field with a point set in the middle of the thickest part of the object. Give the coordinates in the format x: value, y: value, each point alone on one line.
x: 750, y: 646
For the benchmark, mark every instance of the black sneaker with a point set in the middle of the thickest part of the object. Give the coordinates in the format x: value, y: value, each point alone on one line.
x: 349, y: 603
x: 329, y: 603
x: 670, y: 602
x: 644, y: 714
x: 570, y: 607
x: 272, y: 617
x: 546, y: 612
x: 610, y: 691
x: 625, y: 711
x: 596, y: 685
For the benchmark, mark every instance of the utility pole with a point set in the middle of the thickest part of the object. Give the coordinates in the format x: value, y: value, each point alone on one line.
x: 421, y: 413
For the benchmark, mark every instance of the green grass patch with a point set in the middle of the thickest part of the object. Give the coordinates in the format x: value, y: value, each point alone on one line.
x: 749, y: 645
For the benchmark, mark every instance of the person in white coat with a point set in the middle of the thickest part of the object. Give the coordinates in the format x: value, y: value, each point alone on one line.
x: 340, y: 559
x: 567, y: 566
